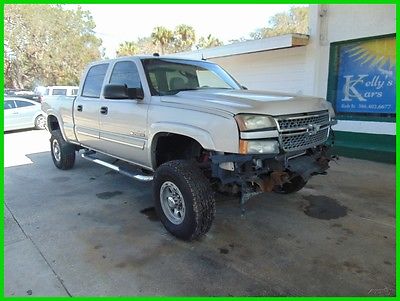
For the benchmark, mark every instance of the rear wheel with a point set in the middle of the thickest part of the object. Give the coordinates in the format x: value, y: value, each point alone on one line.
x: 62, y: 152
x: 40, y: 122
x: 184, y: 200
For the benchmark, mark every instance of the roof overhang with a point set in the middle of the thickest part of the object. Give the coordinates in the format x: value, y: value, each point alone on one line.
x: 246, y: 47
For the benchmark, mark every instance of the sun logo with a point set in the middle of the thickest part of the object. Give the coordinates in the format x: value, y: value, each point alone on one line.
x: 378, y: 53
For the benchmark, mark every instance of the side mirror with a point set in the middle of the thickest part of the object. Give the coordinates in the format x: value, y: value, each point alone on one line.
x: 135, y: 93
x: 115, y: 92
x: 112, y: 91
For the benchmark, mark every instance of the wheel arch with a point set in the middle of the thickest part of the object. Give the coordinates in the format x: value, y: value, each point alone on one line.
x: 54, y: 123
x: 189, y: 135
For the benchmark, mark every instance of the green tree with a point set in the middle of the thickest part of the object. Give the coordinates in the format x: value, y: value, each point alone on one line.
x: 142, y: 45
x: 163, y: 37
x: 209, y: 42
x: 47, y: 45
x: 146, y: 46
x: 184, y: 38
x: 294, y: 21
x: 127, y: 48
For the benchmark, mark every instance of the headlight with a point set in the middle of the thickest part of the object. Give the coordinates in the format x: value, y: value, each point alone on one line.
x: 332, y: 114
x: 254, y: 122
x: 259, y: 147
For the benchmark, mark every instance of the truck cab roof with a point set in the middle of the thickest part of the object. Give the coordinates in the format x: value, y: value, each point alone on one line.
x: 145, y: 57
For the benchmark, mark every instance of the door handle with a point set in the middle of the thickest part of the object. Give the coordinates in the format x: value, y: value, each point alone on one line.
x: 104, y: 110
x: 79, y: 108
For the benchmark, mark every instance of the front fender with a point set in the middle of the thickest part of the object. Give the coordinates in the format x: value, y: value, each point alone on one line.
x: 200, y: 135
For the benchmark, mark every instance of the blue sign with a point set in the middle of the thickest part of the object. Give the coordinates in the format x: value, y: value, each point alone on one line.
x: 367, y: 77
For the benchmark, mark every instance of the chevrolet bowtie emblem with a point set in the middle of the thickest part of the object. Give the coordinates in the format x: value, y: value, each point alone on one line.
x: 312, y: 129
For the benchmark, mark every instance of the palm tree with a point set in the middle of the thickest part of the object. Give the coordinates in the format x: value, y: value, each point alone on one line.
x: 127, y: 48
x: 162, y: 36
x: 185, y: 37
x: 209, y: 42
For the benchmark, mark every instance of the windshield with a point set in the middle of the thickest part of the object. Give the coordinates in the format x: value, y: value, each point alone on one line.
x: 170, y: 76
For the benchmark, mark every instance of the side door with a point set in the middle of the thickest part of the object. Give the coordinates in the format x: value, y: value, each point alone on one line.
x: 123, y: 122
x: 86, y: 109
x: 26, y: 111
x: 10, y: 115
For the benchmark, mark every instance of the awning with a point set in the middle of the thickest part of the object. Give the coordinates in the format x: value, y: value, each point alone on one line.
x: 267, y: 44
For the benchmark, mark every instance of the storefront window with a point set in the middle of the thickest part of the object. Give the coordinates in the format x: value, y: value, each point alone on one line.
x: 363, y: 77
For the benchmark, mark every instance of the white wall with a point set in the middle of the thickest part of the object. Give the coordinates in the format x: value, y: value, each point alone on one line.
x: 334, y: 23
x: 277, y: 70
x: 306, y: 69
x: 346, y: 22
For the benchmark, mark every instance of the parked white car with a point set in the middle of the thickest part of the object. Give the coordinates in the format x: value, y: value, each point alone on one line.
x: 20, y: 113
x: 61, y: 90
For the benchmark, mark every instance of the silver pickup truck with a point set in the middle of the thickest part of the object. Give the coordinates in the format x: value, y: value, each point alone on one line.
x: 191, y: 129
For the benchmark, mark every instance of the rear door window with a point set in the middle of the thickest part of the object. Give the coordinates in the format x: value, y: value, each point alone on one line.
x: 23, y: 104
x: 94, y: 81
x: 126, y: 73
x: 9, y: 104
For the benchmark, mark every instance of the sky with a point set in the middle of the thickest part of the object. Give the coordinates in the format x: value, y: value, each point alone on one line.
x: 119, y: 23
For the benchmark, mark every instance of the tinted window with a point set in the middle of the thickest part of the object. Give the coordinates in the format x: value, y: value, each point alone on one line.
x: 21, y: 104
x: 126, y: 73
x: 94, y: 80
x: 9, y: 104
x: 59, y: 91
x: 170, y: 76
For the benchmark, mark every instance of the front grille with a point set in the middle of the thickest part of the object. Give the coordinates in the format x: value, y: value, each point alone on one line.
x: 304, y: 140
x: 292, y: 123
x: 302, y: 132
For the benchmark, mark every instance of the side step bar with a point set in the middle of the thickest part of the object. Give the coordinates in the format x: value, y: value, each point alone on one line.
x: 142, y: 178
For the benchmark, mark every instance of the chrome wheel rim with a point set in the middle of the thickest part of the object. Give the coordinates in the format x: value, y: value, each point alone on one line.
x: 56, y: 150
x: 41, y: 122
x: 172, y: 202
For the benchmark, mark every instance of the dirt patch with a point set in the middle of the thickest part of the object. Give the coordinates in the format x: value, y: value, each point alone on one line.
x: 108, y: 194
x: 323, y: 207
x: 223, y: 250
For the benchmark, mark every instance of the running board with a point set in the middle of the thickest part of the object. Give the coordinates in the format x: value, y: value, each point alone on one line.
x: 138, y: 177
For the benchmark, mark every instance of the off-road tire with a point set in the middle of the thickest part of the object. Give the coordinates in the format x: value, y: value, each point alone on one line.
x: 296, y: 183
x: 197, y: 194
x: 66, y: 151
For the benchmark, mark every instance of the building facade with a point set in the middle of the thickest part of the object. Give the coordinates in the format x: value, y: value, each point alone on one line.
x: 349, y: 58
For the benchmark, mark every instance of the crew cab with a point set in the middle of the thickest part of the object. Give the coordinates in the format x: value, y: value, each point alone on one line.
x: 191, y: 129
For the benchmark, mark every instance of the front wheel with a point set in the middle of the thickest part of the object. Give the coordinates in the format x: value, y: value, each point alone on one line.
x: 62, y: 152
x: 184, y: 200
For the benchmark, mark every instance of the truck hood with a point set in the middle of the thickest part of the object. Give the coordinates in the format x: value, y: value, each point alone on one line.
x: 247, y: 101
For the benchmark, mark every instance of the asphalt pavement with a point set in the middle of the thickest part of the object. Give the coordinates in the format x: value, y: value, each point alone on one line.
x: 92, y: 232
